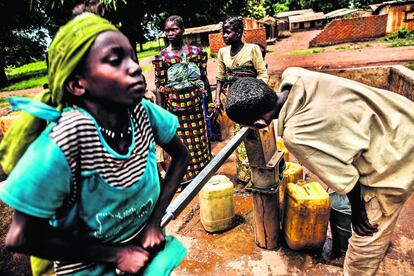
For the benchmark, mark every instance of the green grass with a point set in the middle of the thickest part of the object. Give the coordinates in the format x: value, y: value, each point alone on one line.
x: 3, y: 102
x: 402, y: 37
x: 26, y: 71
x: 353, y: 47
x: 29, y: 83
x: 305, y: 51
x: 410, y: 65
x: 147, y: 53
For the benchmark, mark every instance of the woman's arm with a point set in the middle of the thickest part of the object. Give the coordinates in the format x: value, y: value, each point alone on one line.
x: 360, y: 221
x: 259, y: 64
x: 34, y: 236
x: 152, y: 236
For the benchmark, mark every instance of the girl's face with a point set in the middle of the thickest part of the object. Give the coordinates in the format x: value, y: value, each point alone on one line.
x: 112, y: 74
x: 173, y: 32
x: 230, y: 36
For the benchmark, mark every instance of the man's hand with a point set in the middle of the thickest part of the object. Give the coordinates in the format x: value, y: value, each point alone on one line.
x: 360, y: 221
x: 132, y: 259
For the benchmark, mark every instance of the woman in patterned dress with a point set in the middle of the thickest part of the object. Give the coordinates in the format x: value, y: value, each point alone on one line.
x: 182, y: 88
x: 235, y: 61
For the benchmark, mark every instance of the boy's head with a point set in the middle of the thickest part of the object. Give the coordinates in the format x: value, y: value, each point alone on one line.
x: 249, y: 100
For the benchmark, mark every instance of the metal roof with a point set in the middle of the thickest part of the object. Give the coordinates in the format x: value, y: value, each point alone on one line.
x: 204, y: 29
x: 291, y: 13
x: 377, y: 7
x: 307, y: 17
x: 340, y: 12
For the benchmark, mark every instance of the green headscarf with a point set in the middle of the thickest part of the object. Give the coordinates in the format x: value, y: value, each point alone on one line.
x: 67, y: 49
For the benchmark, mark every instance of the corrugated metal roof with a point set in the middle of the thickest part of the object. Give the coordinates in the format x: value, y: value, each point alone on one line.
x: 377, y: 7
x: 340, y: 12
x: 291, y: 13
x: 203, y: 29
x: 307, y: 17
x: 268, y: 20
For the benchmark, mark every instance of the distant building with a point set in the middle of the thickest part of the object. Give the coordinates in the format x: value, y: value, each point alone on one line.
x: 270, y: 26
x: 199, y: 35
x: 400, y: 14
x: 283, y: 19
x: 306, y: 21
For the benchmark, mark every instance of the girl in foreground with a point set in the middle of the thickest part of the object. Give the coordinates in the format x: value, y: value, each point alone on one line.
x: 86, y: 191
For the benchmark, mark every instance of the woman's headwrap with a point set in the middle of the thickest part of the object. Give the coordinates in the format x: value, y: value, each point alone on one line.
x: 67, y: 49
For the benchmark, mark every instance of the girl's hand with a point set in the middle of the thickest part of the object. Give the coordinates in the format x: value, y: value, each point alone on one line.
x: 131, y: 259
x: 217, y: 109
x: 152, y: 238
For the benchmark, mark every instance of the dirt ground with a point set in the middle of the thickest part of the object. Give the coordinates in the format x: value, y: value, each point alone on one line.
x: 234, y: 252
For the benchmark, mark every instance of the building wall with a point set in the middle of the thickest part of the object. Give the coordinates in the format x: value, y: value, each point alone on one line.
x: 250, y: 36
x: 306, y: 25
x: 353, y: 29
x: 396, y: 18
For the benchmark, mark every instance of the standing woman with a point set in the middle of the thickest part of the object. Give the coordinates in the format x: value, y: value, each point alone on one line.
x: 182, y: 88
x: 235, y: 61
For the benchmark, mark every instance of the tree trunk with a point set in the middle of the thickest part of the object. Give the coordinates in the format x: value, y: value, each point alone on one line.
x: 3, y: 77
x: 141, y: 47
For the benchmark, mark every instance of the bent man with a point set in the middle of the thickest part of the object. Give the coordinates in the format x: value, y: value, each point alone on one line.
x: 357, y: 139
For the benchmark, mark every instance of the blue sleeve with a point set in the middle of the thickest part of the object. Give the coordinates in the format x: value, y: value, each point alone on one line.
x: 40, y: 181
x: 163, y: 123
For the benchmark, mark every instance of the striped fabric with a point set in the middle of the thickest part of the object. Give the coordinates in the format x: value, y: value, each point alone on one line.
x: 77, y: 136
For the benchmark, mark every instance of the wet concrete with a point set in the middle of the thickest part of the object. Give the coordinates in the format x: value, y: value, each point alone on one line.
x: 234, y: 252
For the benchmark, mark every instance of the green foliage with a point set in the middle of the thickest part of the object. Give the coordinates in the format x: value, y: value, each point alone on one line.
x: 400, y: 33
x: 255, y: 9
x: 362, y: 4
x: 305, y: 51
x: 402, y: 37
x: 316, y: 5
x: 280, y: 7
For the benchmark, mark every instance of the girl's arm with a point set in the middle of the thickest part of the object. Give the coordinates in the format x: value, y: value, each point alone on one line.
x: 34, y: 236
x: 152, y: 236
x: 259, y: 64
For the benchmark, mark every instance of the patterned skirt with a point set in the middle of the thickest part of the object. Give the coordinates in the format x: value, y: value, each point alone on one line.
x: 193, y: 132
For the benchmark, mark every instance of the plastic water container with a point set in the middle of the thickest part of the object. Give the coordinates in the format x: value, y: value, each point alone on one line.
x: 306, y: 215
x: 216, y: 204
x: 281, y: 146
x: 292, y: 173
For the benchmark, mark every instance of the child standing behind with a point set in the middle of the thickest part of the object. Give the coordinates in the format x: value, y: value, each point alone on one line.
x: 86, y: 191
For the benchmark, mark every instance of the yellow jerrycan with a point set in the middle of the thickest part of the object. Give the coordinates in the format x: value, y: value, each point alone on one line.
x: 216, y: 204
x: 306, y: 215
x: 292, y: 173
x: 281, y: 146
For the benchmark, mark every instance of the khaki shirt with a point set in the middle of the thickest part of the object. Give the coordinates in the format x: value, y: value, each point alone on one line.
x: 345, y: 131
x: 249, y: 55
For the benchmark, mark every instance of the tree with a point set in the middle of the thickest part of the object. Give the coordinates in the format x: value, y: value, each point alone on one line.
x: 362, y: 4
x: 20, y: 19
